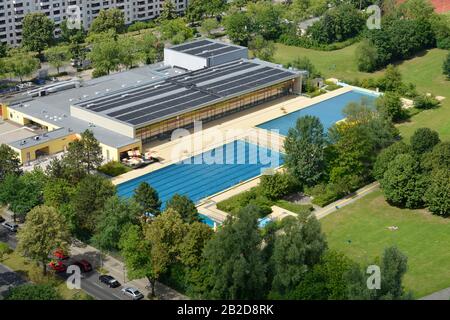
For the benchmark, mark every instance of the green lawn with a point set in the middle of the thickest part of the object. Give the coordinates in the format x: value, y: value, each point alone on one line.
x: 424, y: 238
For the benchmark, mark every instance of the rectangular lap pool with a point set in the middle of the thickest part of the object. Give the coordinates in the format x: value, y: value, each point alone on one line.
x: 328, y: 111
x: 197, y: 177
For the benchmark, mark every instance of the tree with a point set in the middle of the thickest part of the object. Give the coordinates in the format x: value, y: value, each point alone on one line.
x: 296, y: 250
x: 151, y: 48
x: 22, y: 64
x: 265, y: 19
x: 393, y: 267
x: 304, y: 147
x: 9, y: 162
x: 37, y: 32
x: 402, y: 183
x: 195, y: 240
x: 366, y: 56
x: 165, y: 235
x: 239, y: 28
x: 88, y: 202
x: 303, y: 63
x: 72, y: 35
x: 234, y: 260
x: 109, y: 19
x: 262, y: 48
x: 131, y: 53
x: 175, y: 30
x: 85, y: 154
x: 185, y: 207
x: 423, y: 140
x: 437, y: 196
x: 44, y: 231
x: 58, y: 56
x: 115, y: 216
x: 387, y: 155
x: 446, y: 66
x: 136, y: 252
x: 106, y: 55
x: 208, y: 25
x: 390, y: 106
x: 438, y: 158
x: 169, y: 11
x: 392, y: 79
x: 327, y: 280
x: 33, y: 292
x: 148, y: 199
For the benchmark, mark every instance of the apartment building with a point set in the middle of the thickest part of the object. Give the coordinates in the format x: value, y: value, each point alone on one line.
x: 12, y: 12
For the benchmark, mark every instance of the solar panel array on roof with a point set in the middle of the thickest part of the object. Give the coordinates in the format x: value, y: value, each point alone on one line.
x: 150, y: 102
x: 191, y: 45
x: 205, y: 48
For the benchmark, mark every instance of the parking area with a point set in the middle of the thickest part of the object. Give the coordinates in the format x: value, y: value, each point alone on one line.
x: 10, y: 132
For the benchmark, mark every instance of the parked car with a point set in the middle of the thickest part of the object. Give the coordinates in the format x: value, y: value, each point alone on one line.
x: 60, y: 254
x: 109, y: 281
x: 133, y: 293
x: 57, y: 266
x: 2, y: 219
x: 84, y: 265
x: 10, y: 226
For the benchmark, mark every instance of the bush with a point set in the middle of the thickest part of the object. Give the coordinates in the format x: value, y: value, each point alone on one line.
x: 276, y: 186
x: 324, y: 194
x: 391, y: 106
x: 423, y: 140
x: 98, y: 73
x: 437, y: 197
x: 424, y: 101
x: 253, y: 196
x: 33, y: 292
x: 113, y: 168
x: 4, y: 250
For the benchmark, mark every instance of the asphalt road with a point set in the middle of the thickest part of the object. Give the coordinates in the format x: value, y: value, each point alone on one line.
x: 89, y: 281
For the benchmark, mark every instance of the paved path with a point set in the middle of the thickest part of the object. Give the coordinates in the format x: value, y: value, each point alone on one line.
x: 439, y: 295
x: 9, y: 278
x: 332, y: 207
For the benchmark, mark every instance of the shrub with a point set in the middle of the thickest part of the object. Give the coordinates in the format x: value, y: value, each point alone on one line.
x: 424, y: 101
x: 4, y: 250
x: 33, y: 292
x: 423, y: 140
x: 437, y: 197
x: 276, y: 186
x: 253, y: 196
x: 390, y: 106
x: 113, y: 168
x: 324, y: 194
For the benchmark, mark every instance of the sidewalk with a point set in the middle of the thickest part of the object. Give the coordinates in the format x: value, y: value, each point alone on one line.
x: 116, y: 269
x: 439, y: 295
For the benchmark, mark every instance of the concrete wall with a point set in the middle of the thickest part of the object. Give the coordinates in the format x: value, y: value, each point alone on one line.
x: 182, y: 60
x: 102, y: 121
x: 113, y: 154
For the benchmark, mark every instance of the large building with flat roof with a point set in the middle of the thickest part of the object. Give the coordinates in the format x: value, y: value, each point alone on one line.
x: 127, y: 109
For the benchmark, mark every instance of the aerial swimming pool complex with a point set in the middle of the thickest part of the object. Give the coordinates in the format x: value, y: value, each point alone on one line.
x: 328, y: 111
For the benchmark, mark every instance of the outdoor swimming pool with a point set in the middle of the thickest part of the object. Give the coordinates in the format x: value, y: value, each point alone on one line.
x: 198, y: 178
x: 328, y: 111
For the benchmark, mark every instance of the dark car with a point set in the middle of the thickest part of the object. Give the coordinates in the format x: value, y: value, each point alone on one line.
x: 109, y: 281
x: 10, y: 226
x: 84, y: 265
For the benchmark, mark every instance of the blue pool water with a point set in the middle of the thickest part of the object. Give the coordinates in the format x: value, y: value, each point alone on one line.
x: 197, y: 177
x: 328, y: 111
x: 207, y: 220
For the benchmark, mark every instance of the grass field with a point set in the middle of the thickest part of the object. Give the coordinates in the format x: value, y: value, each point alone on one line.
x: 424, y: 238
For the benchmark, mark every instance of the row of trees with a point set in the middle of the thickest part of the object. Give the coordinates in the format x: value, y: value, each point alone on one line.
x: 417, y: 175
x: 406, y: 30
x: 241, y: 262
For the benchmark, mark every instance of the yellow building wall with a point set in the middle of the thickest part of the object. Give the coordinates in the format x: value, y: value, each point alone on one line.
x: 113, y: 154
x: 23, y: 119
x: 54, y: 146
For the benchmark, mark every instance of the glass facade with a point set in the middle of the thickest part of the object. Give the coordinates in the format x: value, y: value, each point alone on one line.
x: 164, y: 128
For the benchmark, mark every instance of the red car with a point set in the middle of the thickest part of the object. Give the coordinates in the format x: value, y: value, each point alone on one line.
x: 60, y: 254
x: 57, y: 266
x: 84, y: 265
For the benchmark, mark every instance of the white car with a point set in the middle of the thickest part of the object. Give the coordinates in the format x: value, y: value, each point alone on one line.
x: 133, y: 293
x: 10, y: 226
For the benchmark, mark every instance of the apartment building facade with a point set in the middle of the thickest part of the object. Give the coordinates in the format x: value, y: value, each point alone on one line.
x: 12, y: 13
